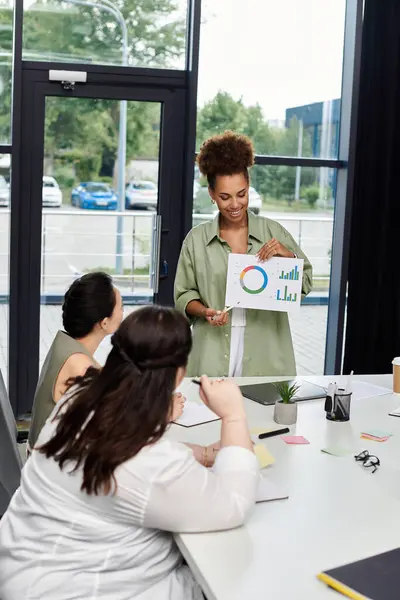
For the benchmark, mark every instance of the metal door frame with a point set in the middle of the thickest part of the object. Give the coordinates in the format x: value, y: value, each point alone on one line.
x: 25, y: 281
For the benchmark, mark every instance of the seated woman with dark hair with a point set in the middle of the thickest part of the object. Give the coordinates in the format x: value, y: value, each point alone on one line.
x: 92, y: 309
x: 104, y: 486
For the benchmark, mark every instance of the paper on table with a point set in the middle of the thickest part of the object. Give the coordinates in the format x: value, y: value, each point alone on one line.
x: 362, y: 390
x: 267, y: 491
x: 265, y: 458
x: 376, y: 433
x: 196, y: 414
x: 336, y: 451
x: 374, y: 439
x: 395, y: 413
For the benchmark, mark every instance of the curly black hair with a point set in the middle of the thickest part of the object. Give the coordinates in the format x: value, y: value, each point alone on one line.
x: 225, y: 154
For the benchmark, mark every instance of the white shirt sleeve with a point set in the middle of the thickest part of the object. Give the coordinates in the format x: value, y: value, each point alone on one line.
x: 187, y: 497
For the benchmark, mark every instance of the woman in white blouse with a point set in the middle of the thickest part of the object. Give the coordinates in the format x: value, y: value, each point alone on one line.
x: 104, y: 488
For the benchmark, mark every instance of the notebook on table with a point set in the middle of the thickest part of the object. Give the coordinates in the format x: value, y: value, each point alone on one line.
x: 374, y: 578
x: 266, y: 393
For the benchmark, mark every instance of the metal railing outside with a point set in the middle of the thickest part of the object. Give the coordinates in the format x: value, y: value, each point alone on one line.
x: 77, y: 241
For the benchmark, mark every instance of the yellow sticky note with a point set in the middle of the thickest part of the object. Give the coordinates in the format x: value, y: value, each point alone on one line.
x: 265, y: 458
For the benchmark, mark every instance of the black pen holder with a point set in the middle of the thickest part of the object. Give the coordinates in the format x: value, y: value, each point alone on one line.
x: 338, y: 409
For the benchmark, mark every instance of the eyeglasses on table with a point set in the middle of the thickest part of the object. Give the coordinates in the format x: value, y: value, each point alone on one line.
x: 369, y: 461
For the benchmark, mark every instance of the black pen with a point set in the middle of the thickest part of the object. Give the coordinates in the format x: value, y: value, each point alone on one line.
x: 268, y: 434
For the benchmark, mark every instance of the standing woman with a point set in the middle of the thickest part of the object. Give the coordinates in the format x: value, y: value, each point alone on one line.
x: 254, y: 342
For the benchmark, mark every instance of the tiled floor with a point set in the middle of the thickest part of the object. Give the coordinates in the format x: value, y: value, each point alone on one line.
x: 308, y: 330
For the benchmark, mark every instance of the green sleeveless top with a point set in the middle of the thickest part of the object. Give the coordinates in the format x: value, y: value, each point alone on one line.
x: 61, y: 349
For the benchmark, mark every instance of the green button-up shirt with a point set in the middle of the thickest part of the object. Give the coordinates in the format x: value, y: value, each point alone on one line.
x: 201, y: 275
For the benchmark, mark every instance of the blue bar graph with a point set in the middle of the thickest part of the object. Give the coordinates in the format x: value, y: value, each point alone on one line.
x: 286, y: 297
x: 292, y: 275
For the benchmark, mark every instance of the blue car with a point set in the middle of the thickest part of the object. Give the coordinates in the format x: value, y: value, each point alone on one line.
x: 90, y: 194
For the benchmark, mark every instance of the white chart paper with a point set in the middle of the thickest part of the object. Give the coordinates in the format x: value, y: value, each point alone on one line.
x: 268, y: 491
x: 196, y: 414
x: 271, y: 285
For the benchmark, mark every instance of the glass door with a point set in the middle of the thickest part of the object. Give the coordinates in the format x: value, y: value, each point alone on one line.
x: 102, y: 184
x: 97, y: 216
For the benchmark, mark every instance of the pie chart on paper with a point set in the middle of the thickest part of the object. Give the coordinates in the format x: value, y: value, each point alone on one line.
x: 253, y: 279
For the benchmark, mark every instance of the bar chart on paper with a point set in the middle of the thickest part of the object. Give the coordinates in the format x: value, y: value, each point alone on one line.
x: 292, y: 275
x: 271, y: 285
x: 286, y: 296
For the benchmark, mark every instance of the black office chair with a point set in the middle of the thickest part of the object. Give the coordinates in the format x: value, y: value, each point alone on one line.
x: 10, y: 458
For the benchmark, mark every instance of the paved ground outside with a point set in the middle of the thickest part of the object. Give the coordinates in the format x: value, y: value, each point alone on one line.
x: 308, y: 330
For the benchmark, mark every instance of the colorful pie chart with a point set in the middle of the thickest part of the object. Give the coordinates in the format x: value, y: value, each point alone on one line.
x: 253, y: 268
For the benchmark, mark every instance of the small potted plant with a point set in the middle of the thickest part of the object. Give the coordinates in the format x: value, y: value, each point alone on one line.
x: 285, y: 412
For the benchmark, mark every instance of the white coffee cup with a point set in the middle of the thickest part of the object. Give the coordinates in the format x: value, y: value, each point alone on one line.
x: 396, y: 375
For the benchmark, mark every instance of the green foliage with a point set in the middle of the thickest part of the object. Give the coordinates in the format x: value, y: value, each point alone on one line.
x: 65, y: 175
x: 89, y: 128
x: 286, y: 391
x: 311, y: 195
x: 277, y: 182
x: 81, y: 135
x: 53, y: 29
x: 107, y: 180
x: 6, y: 42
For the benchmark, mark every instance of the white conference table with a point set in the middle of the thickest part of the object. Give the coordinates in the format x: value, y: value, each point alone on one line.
x: 337, y: 511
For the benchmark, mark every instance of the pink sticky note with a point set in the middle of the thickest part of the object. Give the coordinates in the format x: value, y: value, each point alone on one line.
x: 294, y: 439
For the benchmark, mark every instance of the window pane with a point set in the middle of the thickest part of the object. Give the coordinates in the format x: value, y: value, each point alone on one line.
x: 276, y: 77
x: 6, y: 44
x: 4, y: 259
x: 309, y: 219
x: 77, y: 31
x: 82, y: 230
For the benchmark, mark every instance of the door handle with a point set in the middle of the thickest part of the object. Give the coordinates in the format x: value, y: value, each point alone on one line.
x: 164, y: 270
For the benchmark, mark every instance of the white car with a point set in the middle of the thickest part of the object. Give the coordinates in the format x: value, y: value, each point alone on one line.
x: 51, y: 195
x: 141, y: 194
x: 4, y: 192
x: 255, y: 201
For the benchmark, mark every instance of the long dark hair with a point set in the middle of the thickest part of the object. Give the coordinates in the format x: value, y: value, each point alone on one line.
x: 89, y: 300
x: 115, y: 412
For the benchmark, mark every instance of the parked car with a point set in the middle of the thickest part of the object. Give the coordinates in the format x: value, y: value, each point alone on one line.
x: 255, y: 201
x: 51, y: 193
x: 90, y: 194
x: 141, y: 194
x: 4, y: 192
x: 202, y: 201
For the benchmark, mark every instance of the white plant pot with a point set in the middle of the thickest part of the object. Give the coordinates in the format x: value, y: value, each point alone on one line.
x: 285, y: 414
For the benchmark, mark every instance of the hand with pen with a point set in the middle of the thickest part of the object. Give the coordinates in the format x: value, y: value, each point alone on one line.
x: 217, y: 318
